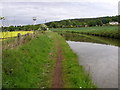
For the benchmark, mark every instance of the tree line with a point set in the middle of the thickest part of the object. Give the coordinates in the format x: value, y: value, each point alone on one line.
x: 100, y: 21
x: 25, y: 28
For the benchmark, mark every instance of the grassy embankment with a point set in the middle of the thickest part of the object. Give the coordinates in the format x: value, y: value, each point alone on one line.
x: 29, y: 65
x: 104, y: 31
x: 32, y: 64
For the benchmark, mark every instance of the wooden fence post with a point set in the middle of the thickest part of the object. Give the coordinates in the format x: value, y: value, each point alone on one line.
x: 18, y: 39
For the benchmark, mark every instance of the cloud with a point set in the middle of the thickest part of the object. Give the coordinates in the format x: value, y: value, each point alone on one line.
x: 22, y: 12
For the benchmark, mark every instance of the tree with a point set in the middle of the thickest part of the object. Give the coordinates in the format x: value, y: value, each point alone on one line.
x: 2, y: 18
x: 99, y: 22
x: 11, y: 28
x: 92, y: 23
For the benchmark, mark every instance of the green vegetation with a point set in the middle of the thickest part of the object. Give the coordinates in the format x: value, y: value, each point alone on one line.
x: 31, y: 65
x: 73, y: 74
x: 38, y: 27
x: 2, y: 18
x: 104, y: 31
x: 72, y: 23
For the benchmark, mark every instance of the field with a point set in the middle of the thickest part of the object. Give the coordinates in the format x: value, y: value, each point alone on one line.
x: 13, y: 34
x: 104, y: 31
x: 35, y: 65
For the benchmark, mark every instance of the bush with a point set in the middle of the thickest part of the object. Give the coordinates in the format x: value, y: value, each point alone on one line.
x: 43, y: 27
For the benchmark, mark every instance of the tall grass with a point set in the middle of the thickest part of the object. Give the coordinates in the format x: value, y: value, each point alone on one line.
x: 30, y: 65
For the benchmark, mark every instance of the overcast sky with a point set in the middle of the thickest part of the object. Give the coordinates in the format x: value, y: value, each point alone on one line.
x: 22, y: 12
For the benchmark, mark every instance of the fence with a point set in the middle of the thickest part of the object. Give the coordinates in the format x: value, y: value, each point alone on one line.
x: 17, y: 38
x: 5, y: 35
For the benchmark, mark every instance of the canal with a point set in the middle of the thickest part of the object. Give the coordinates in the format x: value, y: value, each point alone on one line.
x: 98, y: 56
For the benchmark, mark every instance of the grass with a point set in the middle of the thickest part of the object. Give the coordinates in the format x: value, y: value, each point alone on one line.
x: 74, y: 75
x: 104, y: 31
x: 32, y: 65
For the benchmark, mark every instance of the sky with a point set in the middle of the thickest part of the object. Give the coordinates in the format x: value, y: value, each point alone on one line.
x: 20, y: 12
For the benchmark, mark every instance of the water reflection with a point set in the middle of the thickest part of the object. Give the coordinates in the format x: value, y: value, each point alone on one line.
x: 100, y: 61
x: 89, y: 38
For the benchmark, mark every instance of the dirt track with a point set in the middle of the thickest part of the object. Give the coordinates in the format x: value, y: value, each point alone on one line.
x: 57, y: 78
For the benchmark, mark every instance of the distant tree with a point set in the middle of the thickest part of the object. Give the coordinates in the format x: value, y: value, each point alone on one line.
x: 11, y: 28
x: 91, y: 23
x: 99, y: 22
x: 115, y: 18
x: 105, y: 20
x: 2, y: 18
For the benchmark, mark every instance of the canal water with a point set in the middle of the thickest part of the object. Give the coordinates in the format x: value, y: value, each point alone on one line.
x: 98, y: 56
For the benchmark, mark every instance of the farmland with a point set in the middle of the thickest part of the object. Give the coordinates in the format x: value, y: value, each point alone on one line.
x: 13, y: 34
x: 104, y: 31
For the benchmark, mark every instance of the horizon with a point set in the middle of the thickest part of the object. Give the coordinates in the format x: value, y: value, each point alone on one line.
x: 62, y: 20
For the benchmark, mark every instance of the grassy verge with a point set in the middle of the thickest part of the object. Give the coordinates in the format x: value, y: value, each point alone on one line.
x: 30, y: 65
x: 74, y: 75
x: 104, y: 31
